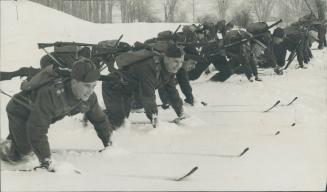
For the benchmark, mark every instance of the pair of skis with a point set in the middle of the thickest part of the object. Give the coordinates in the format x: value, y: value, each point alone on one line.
x: 278, y: 102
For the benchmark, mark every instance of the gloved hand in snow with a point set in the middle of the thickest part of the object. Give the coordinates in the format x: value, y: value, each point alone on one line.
x: 46, y: 164
x: 181, y: 117
x: 154, y: 120
x: 106, y: 147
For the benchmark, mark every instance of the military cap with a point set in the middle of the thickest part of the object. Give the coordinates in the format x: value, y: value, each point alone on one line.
x: 173, y: 51
x: 85, y: 70
x: 278, y: 32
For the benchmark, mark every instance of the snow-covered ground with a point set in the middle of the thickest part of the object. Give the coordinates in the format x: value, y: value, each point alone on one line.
x: 144, y: 158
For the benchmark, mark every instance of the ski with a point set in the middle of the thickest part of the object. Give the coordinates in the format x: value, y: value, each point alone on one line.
x: 149, y: 123
x: 277, y: 102
x: 34, y: 170
x: 244, y: 151
x: 290, y: 103
x: 187, y: 174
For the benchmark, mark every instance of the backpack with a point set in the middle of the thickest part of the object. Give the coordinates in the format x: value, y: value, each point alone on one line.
x: 256, y: 28
x: 293, y: 33
x: 144, y: 52
x: 125, y: 59
x: 42, y: 78
x: 235, y: 35
x: 165, y: 35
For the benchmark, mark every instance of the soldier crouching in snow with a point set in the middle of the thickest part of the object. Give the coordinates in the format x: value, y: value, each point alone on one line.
x: 143, y: 74
x: 241, y: 56
x: 45, y: 99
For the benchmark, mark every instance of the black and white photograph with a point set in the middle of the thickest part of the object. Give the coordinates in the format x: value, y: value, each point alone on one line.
x: 163, y: 95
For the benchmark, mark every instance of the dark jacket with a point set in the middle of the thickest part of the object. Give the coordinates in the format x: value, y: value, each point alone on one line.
x: 144, y: 77
x: 50, y: 104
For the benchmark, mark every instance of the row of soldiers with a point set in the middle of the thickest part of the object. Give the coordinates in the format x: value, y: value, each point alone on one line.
x: 64, y: 84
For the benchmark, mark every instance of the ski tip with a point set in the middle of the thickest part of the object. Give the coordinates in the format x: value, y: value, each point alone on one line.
x: 195, y: 168
x: 244, y: 151
x: 188, y: 174
x: 204, y: 103
x: 278, y: 102
x: 277, y: 133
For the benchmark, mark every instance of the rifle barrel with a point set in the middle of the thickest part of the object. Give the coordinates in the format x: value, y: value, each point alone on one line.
x: 274, y: 24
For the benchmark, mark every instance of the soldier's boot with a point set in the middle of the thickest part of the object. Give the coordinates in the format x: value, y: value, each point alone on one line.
x: 165, y: 106
x: 250, y: 78
x: 257, y: 78
x: 189, y: 100
x: 278, y: 70
x: 9, y: 154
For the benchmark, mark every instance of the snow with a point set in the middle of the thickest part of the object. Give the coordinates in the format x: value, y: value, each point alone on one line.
x: 143, y: 158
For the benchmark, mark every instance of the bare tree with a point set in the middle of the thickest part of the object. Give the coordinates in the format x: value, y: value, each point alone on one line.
x: 242, y: 18
x: 170, y: 8
x: 136, y: 10
x: 262, y: 9
x: 222, y: 7
x: 321, y: 9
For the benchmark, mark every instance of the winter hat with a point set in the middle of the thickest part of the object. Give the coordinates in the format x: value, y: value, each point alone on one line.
x: 173, y: 51
x: 84, y: 70
x: 278, y: 32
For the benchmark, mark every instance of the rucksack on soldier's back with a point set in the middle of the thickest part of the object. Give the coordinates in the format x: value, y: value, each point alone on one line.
x: 293, y: 33
x: 42, y: 78
x: 148, y: 51
x: 236, y: 35
x: 130, y: 57
x: 256, y: 28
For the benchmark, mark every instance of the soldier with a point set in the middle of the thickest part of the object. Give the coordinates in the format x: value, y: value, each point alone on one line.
x: 218, y: 60
x: 294, y: 39
x: 241, y: 56
x: 143, y: 73
x: 45, y: 99
x: 262, y: 46
x: 182, y: 75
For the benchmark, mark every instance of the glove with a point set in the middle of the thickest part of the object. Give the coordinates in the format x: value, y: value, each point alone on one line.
x: 105, y: 147
x: 154, y: 120
x: 46, y: 164
x: 165, y: 106
x: 181, y: 117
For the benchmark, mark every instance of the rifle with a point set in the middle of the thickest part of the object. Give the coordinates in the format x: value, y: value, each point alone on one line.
x: 292, y: 55
x: 274, y: 24
x: 310, y: 8
x: 61, y: 44
x: 28, y: 72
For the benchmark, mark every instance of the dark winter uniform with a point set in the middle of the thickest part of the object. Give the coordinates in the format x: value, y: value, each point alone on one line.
x: 45, y: 99
x: 262, y: 35
x: 182, y: 75
x: 217, y: 59
x: 29, y: 127
x: 294, y: 40
x: 142, y: 78
x: 241, y: 54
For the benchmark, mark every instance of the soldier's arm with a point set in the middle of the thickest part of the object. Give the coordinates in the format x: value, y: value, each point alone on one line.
x: 147, y: 87
x: 38, y: 123
x: 173, y: 95
x: 99, y: 120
